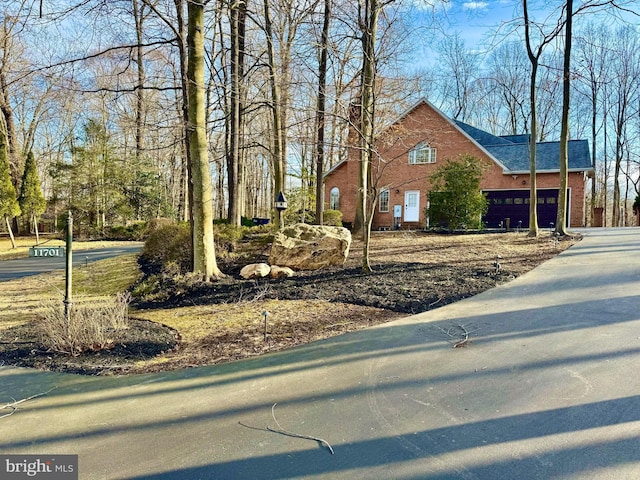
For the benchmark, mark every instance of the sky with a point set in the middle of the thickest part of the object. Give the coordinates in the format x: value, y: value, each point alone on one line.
x: 478, y: 20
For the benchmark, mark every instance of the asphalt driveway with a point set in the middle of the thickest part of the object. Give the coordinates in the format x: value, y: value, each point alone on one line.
x: 549, y: 387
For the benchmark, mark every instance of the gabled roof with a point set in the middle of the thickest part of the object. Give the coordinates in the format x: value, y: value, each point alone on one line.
x: 483, y: 138
x: 513, y: 151
x: 516, y: 156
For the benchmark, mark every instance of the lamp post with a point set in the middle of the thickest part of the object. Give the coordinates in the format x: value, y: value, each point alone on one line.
x: 281, y: 205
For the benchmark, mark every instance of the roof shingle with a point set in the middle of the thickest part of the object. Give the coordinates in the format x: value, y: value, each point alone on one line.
x: 513, y: 151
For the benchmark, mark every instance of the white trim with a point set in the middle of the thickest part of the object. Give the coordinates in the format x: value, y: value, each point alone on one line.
x: 334, y: 168
x: 430, y: 153
x: 527, y: 172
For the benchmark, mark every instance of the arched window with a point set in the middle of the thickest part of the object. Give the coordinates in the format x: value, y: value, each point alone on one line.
x: 422, y: 153
x: 334, y: 199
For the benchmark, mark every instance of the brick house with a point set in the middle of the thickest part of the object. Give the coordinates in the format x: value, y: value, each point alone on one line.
x: 413, y: 147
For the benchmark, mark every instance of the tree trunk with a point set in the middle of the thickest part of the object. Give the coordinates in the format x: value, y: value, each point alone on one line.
x: 235, y: 169
x: 186, y: 180
x: 533, y: 183
x: 13, y: 240
x: 204, y: 259
x: 533, y: 180
x: 138, y: 17
x: 367, y: 131
x: 35, y: 227
x: 561, y: 220
x: 320, y: 111
x: 278, y: 144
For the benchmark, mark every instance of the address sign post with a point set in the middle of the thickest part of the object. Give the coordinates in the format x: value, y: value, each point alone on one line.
x: 69, y: 268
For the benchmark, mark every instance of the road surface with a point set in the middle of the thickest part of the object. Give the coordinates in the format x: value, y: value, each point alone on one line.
x: 547, y: 388
x: 24, y: 267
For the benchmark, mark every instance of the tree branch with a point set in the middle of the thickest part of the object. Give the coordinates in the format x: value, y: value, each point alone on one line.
x: 13, y: 406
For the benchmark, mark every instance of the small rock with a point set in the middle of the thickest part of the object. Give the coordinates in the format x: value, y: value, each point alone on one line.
x: 255, y: 270
x: 281, y: 272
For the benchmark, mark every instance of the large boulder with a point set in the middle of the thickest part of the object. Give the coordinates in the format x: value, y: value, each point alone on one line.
x: 310, y: 247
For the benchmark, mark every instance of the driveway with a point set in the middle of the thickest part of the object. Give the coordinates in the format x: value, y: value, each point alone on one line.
x: 547, y: 388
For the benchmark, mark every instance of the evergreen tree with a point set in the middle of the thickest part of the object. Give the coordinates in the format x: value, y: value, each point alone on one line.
x: 31, y: 200
x: 455, y: 199
x: 9, y: 207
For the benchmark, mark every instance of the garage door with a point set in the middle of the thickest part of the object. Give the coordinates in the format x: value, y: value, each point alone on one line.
x: 514, y: 205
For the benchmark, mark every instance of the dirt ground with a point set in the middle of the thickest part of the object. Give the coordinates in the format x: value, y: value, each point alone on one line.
x: 189, y: 325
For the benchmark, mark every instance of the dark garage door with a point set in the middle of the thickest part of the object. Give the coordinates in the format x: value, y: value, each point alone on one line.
x: 514, y: 205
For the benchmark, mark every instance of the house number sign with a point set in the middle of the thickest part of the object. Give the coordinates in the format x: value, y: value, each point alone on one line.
x: 46, y: 252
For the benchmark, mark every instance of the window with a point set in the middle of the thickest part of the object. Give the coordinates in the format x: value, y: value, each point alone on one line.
x: 383, y: 206
x: 334, y: 199
x: 422, y: 153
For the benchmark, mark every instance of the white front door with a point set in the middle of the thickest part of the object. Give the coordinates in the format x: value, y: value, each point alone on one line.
x: 412, y: 206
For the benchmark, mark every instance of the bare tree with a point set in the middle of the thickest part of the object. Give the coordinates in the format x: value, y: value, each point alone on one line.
x: 534, y: 54
x: 626, y: 68
x: 369, y: 13
x: 204, y: 257
x: 593, y: 58
x: 561, y: 219
x: 507, y: 69
x: 235, y: 168
x: 321, y: 107
x: 460, y: 67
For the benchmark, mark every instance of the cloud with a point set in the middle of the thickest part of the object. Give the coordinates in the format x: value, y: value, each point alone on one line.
x: 475, y: 5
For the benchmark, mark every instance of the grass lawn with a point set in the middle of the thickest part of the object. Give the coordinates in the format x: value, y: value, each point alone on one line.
x: 225, y: 322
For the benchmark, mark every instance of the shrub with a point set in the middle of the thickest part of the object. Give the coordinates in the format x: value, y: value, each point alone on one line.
x: 228, y: 236
x: 171, y: 243
x: 168, y: 243
x: 91, y: 326
x: 134, y: 232
x: 456, y: 201
x: 156, y: 223
x: 332, y: 217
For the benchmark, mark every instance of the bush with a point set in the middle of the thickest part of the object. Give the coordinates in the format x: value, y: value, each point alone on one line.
x: 168, y: 243
x: 91, y: 326
x: 135, y: 232
x: 332, y: 217
x: 455, y: 201
x: 228, y: 236
x: 156, y: 223
x: 171, y: 243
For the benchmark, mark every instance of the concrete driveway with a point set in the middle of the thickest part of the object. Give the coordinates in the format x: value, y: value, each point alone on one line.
x: 549, y: 388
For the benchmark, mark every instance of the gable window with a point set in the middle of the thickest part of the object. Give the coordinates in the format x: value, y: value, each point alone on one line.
x: 334, y: 199
x: 383, y: 205
x: 422, y: 153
